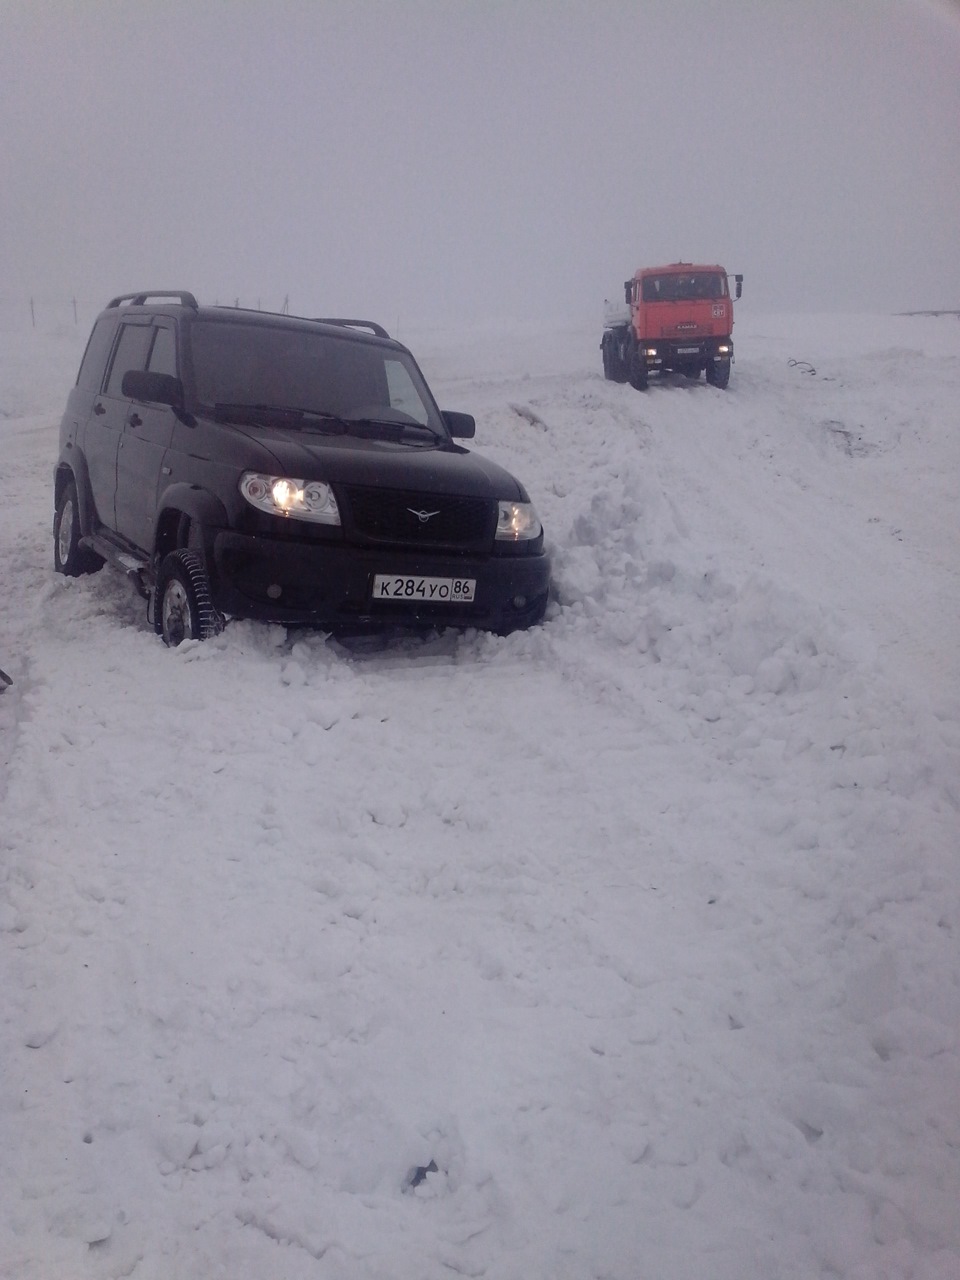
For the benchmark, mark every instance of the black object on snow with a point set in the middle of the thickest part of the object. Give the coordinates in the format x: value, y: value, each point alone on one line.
x: 417, y: 1175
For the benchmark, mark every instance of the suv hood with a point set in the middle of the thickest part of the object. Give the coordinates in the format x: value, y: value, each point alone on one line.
x: 440, y: 467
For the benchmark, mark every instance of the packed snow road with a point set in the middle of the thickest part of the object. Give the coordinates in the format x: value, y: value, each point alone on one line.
x: 625, y: 947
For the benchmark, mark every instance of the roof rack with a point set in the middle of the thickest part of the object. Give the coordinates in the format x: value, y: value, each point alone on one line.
x: 138, y: 299
x: 372, y: 325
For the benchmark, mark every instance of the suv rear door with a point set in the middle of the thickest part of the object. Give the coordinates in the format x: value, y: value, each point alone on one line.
x: 147, y: 431
x: 105, y: 426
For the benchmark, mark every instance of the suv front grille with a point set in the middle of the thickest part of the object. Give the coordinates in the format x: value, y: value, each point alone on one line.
x: 421, y: 519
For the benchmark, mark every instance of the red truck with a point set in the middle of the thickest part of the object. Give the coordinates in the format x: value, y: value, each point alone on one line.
x: 676, y: 319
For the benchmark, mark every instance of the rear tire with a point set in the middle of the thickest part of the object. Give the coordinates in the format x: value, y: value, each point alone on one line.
x: 609, y: 356
x: 183, y: 608
x: 618, y: 359
x: 69, y: 557
x: 614, y: 362
x: 718, y: 373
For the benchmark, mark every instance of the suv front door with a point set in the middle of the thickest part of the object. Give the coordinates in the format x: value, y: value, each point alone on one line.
x: 147, y: 431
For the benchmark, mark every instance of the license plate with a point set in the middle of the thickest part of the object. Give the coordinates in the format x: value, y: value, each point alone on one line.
x: 688, y: 351
x: 424, y: 590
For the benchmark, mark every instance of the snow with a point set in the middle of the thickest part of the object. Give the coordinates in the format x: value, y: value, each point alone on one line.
x: 622, y: 948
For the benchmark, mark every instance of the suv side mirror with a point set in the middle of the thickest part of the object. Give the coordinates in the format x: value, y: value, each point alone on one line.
x: 462, y: 426
x: 154, y: 388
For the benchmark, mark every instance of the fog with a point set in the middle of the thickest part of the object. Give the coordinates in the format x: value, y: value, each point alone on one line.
x: 423, y: 161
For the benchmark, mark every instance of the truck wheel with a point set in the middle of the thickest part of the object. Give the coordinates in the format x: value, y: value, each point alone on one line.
x: 614, y: 361
x: 637, y: 369
x: 609, y: 358
x: 69, y: 557
x: 183, y: 608
x: 718, y: 373
x: 618, y: 360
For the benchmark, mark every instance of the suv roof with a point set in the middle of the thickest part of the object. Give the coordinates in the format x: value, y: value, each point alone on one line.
x: 151, y: 300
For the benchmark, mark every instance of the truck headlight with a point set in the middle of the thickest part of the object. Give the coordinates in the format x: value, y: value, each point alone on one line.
x: 517, y: 522
x: 282, y: 496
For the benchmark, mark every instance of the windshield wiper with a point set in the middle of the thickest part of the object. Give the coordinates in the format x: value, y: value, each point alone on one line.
x: 291, y: 415
x: 296, y: 416
x: 390, y: 427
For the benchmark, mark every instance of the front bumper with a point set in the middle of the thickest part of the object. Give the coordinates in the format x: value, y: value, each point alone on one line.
x: 674, y: 353
x: 329, y: 585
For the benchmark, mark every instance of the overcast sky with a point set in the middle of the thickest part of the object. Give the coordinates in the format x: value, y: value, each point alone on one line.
x: 432, y: 159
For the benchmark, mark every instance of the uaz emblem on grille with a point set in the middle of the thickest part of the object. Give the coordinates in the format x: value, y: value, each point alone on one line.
x: 423, y: 516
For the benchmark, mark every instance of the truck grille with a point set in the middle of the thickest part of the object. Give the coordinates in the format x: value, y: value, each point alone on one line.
x: 420, y: 519
x: 685, y: 332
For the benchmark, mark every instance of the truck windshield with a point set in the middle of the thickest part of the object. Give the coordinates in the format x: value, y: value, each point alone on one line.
x: 681, y: 287
x: 258, y: 364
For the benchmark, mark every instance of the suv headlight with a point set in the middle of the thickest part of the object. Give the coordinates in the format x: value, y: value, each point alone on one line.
x: 517, y: 522
x: 281, y: 496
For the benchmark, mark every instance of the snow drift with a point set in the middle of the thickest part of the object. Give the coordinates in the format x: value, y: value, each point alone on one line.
x: 625, y: 947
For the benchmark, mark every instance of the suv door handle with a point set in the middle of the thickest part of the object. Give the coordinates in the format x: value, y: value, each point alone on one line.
x: 135, y: 420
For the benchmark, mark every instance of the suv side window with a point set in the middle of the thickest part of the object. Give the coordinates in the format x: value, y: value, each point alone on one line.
x: 90, y: 377
x: 163, y: 354
x: 131, y: 353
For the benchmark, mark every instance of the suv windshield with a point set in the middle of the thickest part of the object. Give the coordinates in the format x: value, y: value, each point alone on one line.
x: 677, y: 287
x: 265, y: 365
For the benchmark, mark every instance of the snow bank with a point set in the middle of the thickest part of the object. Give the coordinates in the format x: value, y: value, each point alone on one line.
x: 625, y: 946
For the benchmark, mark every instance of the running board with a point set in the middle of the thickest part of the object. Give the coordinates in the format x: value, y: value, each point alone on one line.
x: 135, y: 567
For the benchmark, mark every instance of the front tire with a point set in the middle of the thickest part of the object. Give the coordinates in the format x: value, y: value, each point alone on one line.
x: 69, y: 557
x: 183, y: 608
x: 718, y: 373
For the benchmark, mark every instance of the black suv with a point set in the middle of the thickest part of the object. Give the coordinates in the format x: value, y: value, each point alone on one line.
x: 240, y: 463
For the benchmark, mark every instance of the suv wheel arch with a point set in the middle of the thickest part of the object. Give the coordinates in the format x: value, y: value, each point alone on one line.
x: 73, y: 470
x: 69, y: 557
x: 182, y: 511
